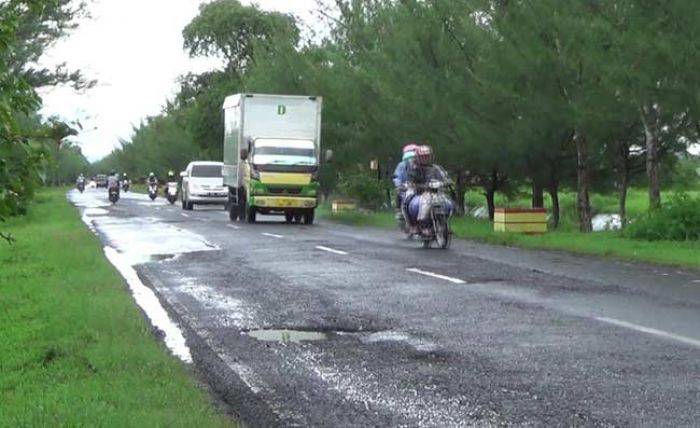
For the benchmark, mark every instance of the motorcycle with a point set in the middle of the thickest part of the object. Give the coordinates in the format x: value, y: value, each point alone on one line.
x: 171, y: 192
x: 436, y: 228
x: 152, y: 191
x: 113, y: 194
x: 81, y: 186
x: 125, y: 185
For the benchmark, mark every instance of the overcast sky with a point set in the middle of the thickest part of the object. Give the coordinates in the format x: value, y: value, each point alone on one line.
x: 134, y: 49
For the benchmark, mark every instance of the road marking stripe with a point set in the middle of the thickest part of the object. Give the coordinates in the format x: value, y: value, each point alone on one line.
x: 648, y: 330
x: 272, y: 235
x: 184, y: 215
x: 435, y: 275
x: 233, y: 226
x: 331, y: 250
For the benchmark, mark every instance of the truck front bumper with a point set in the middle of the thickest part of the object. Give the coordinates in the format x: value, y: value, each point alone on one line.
x: 281, y: 202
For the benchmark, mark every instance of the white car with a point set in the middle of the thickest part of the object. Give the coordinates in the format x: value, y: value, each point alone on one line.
x: 203, y: 183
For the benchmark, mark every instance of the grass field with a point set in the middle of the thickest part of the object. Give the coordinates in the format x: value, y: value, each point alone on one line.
x: 75, y: 349
x: 566, y: 239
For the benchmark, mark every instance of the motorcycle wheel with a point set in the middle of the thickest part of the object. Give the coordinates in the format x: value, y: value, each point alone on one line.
x: 443, y: 235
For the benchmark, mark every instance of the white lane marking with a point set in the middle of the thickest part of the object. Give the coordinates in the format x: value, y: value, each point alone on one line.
x: 273, y: 235
x: 696, y: 281
x: 331, y: 250
x: 184, y: 215
x: 233, y: 226
x: 648, y: 330
x: 435, y: 275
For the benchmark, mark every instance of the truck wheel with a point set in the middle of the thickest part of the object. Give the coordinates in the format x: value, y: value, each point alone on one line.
x: 288, y: 217
x: 309, y: 217
x: 184, y: 205
x: 250, y: 214
x: 232, y: 211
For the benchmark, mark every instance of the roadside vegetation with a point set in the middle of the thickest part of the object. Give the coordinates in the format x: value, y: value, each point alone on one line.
x: 75, y: 349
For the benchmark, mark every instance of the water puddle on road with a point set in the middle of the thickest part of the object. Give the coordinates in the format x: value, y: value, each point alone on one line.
x: 286, y: 336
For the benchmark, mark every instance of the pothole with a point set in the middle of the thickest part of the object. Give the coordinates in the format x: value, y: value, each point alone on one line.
x: 161, y: 257
x: 287, y: 336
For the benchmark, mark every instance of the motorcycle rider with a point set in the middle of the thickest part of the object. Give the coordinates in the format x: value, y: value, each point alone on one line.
x: 125, y: 181
x: 152, y: 179
x: 171, y: 179
x: 420, y: 173
x: 112, y: 180
x: 80, y: 179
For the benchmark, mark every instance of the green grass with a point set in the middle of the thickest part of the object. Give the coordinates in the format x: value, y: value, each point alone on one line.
x: 75, y: 349
x: 566, y: 239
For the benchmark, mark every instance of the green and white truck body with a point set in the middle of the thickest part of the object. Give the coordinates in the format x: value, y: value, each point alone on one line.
x: 281, y: 136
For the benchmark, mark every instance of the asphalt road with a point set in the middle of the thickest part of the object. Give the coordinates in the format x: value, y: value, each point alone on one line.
x: 473, y: 336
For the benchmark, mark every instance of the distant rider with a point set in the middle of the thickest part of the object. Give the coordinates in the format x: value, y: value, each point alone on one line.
x: 80, y: 179
x: 113, y: 180
x: 152, y: 179
x: 420, y: 173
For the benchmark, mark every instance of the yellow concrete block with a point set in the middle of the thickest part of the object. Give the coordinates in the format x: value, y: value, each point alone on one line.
x: 522, y: 220
x: 339, y: 206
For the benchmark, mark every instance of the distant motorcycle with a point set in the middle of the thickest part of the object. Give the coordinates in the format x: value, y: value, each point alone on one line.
x: 171, y: 192
x: 125, y: 185
x: 153, y: 191
x: 81, y: 186
x: 113, y: 194
x: 440, y: 207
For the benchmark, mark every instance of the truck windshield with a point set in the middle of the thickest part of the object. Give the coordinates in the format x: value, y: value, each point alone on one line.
x: 208, y: 171
x: 277, y: 155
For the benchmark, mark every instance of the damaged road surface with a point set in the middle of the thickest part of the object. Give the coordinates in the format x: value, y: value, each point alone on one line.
x: 331, y: 325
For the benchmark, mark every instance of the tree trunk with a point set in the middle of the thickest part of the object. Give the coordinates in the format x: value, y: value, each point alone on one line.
x: 554, y: 194
x: 650, y: 120
x: 490, y: 196
x: 537, y: 195
x: 583, y: 202
x: 459, y: 193
x: 624, y: 151
x: 490, y: 193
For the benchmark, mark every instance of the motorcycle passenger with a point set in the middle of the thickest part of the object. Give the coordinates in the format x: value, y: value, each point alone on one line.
x: 420, y: 173
x: 401, y: 172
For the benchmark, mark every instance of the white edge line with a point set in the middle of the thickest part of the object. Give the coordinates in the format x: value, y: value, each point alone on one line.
x: 653, y: 331
x: 331, y: 250
x: 273, y: 235
x: 147, y: 300
x: 184, y: 215
x: 233, y: 226
x: 435, y: 275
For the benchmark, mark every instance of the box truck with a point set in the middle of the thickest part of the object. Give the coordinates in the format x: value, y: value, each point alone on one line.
x: 272, y: 146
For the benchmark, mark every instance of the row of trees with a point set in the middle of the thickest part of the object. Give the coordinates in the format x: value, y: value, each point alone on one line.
x: 33, y: 149
x: 588, y: 95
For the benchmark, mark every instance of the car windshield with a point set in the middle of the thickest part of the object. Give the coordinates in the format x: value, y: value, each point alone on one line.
x: 208, y: 171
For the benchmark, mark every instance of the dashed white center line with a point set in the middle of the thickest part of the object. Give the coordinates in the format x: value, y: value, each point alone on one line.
x: 233, y: 226
x: 331, y: 250
x: 273, y: 235
x: 435, y: 275
x: 648, y: 330
x: 184, y: 215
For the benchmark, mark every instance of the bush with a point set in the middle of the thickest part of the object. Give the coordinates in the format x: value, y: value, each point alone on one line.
x: 364, y: 189
x: 677, y: 220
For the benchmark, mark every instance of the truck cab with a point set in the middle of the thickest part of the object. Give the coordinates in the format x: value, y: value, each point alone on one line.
x: 271, y: 156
